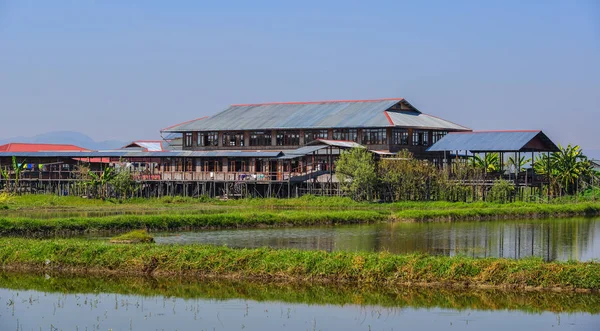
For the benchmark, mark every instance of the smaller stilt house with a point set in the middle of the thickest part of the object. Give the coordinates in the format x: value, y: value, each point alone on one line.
x: 506, y: 143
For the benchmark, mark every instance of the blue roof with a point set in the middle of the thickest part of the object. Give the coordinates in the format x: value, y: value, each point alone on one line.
x: 495, y: 141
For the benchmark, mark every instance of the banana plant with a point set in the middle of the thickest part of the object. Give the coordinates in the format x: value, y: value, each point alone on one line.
x: 101, y: 180
x: 17, y: 170
x: 565, y: 167
x: 517, y: 163
x: 489, y: 163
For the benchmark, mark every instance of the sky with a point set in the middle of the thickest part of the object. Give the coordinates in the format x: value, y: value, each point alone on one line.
x: 117, y: 69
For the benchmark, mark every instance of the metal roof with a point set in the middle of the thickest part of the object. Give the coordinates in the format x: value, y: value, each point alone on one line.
x: 139, y: 154
x: 495, y: 141
x: 423, y: 121
x: 316, y: 115
x: 39, y: 147
x: 306, y: 150
x: 146, y: 145
x: 337, y: 143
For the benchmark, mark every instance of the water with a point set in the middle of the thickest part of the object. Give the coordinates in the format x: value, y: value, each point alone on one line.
x: 554, y: 239
x: 72, y: 303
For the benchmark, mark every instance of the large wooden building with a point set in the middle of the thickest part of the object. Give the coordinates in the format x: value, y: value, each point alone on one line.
x: 384, y: 126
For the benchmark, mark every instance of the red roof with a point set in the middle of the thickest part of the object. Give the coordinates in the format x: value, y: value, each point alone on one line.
x: 26, y: 147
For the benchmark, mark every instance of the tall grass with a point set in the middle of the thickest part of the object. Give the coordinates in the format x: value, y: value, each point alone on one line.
x: 289, y: 265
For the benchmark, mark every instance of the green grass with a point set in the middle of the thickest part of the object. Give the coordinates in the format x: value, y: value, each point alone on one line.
x: 133, y: 237
x: 294, y: 265
x: 165, y: 222
x: 307, y: 293
x: 245, y: 218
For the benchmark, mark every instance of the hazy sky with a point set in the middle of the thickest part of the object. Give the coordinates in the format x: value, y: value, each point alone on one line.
x: 117, y: 69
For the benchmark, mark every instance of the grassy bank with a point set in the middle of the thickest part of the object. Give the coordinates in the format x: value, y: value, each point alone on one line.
x: 308, y: 293
x: 165, y: 222
x: 43, y: 202
x: 293, y: 265
x: 246, y: 218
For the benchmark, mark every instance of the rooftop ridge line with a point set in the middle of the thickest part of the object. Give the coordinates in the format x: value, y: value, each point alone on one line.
x: 313, y: 102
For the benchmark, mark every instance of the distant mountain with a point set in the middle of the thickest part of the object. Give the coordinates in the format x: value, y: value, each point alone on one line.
x: 67, y: 137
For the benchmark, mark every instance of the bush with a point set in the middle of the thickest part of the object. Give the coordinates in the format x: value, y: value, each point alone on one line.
x: 501, y: 192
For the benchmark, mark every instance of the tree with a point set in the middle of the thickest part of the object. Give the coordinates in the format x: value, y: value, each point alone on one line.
x: 564, y: 168
x: 123, y: 183
x: 356, y: 172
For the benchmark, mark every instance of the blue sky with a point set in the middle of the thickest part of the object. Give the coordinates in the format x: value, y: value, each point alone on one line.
x: 125, y: 69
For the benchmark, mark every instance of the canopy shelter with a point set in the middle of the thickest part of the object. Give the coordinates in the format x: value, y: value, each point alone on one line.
x: 501, y: 142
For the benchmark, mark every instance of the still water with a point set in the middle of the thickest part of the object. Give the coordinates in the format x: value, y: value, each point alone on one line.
x: 69, y: 303
x: 552, y: 239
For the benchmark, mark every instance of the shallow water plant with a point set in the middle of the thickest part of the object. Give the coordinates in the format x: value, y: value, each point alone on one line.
x: 133, y: 237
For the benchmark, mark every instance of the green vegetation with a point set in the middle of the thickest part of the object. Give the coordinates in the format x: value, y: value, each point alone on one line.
x: 308, y: 293
x: 269, y: 212
x: 133, y: 237
x: 356, y: 172
x: 32, y: 226
x: 294, y: 265
x: 404, y: 178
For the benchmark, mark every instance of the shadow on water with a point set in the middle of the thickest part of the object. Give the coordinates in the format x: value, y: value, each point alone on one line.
x: 306, y: 293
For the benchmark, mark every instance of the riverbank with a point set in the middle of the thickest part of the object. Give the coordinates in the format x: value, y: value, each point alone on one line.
x: 96, y: 257
x: 190, y: 288
x: 225, y: 218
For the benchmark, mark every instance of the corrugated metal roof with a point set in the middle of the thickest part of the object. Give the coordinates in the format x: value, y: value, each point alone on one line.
x: 306, y: 150
x: 35, y: 147
x: 420, y: 120
x: 139, y: 154
x: 337, y: 143
x: 495, y: 141
x: 313, y: 115
x: 146, y: 145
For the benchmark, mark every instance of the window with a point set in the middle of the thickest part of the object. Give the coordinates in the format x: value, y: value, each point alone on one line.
x: 260, y: 138
x: 399, y: 137
x: 344, y: 134
x: 374, y: 137
x: 437, y: 135
x: 312, y: 135
x: 288, y: 138
x: 420, y: 138
x: 188, y: 139
x: 233, y: 139
x: 208, y: 139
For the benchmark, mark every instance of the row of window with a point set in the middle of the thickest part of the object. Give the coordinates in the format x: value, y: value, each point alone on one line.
x: 292, y: 138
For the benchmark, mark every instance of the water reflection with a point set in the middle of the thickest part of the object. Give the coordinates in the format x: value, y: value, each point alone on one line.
x: 30, y: 302
x: 555, y: 239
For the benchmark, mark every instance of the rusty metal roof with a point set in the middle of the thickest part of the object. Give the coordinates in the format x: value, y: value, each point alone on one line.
x: 495, y: 141
x: 316, y: 115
